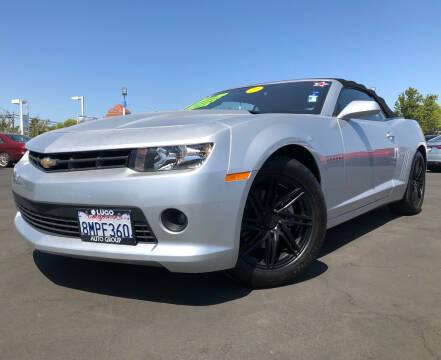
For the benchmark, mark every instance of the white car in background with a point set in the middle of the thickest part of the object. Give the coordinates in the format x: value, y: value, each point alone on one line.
x: 434, y: 154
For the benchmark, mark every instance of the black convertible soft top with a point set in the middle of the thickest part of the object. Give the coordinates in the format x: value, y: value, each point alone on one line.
x: 352, y: 84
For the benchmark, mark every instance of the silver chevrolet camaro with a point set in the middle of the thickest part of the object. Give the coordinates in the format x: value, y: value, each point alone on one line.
x: 246, y: 180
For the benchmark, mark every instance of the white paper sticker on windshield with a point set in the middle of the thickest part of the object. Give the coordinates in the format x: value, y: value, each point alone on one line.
x: 313, y: 96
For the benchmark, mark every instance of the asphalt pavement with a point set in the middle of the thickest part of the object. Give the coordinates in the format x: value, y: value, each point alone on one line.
x: 374, y: 293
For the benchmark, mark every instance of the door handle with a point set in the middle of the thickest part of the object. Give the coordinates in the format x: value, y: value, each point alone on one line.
x: 390, y: 136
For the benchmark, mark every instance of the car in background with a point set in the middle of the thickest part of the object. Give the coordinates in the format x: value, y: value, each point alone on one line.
x: 434, y: 154
x: 12, y: 148
x: 430, y: 137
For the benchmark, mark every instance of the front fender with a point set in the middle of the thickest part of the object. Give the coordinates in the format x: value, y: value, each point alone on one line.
x: 252, y: 145
x: 255, y: 140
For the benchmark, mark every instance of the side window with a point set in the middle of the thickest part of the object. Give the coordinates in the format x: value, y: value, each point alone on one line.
x: 347, y: 95
x: 1, y: 140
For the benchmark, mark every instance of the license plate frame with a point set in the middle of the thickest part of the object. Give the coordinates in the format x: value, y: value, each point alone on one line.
x: 111, y: 216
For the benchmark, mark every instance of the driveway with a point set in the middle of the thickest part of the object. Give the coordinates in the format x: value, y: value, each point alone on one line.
x: 374, y: 293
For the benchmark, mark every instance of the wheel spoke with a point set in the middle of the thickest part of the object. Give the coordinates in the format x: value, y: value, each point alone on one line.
x: 271, y: 248
x: 418, y: 170
x: 288, y: 200
x: 300, y: 220
x: 290, y: 241
x: 257, y: 240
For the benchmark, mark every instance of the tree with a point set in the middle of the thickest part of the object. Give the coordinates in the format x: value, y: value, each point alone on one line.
x: 429, y: 114
x: 61, y: 125
x: 408, y: 103
x: 37, y: 126
x: 411, y: 104
x: 70, y: 122
x: 6, y: 123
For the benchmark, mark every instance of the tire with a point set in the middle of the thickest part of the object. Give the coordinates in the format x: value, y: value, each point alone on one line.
x: 412, y: 201
x: 5, y: 160
x: 283, y: 226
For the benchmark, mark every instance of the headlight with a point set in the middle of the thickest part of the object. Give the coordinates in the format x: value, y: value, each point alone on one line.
x: 177, y: 157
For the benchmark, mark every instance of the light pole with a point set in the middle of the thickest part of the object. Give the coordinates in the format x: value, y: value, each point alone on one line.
x: 24, y: 118
x: 124, y: 94
x: 81, y: 98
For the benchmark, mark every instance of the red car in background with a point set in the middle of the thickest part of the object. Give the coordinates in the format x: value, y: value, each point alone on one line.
x: 12, y: 148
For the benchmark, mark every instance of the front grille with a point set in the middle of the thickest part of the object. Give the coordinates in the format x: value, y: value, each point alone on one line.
x: 52, y: 224
x: 83, y: 160
x: 62, y: 219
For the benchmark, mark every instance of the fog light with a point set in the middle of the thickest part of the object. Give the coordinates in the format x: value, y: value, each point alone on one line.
x: 174, y: 220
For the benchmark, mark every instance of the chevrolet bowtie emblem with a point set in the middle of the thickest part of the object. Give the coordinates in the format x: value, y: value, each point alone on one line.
x: 48, y: 162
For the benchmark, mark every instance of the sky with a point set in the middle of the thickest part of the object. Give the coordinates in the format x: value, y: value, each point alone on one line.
x: 170, y: 54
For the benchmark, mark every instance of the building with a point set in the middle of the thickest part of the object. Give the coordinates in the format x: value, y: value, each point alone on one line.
x: 117, y: 110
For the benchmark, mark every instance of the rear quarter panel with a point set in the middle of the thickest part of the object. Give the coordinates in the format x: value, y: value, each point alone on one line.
x: 408, y: 138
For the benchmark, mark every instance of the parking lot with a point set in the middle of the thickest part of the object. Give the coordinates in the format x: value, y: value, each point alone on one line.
x: 374, y: 293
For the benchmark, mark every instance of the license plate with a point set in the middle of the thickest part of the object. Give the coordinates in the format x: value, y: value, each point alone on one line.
x: 106, y: 226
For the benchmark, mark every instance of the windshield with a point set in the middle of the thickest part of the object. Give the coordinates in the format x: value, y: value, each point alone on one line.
x: 435, y: 139
x: 303, y: 97
x: 18, y: 138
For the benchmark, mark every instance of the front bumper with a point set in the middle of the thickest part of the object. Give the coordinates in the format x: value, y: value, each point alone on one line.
x: 213, y: 207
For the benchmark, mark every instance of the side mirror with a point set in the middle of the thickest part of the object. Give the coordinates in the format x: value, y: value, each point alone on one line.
x: 359, y: 108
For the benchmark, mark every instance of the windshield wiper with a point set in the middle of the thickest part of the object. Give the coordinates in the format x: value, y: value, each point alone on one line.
x: 276, y: 112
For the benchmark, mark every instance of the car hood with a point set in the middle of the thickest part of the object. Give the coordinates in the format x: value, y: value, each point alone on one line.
x: 149, y: 129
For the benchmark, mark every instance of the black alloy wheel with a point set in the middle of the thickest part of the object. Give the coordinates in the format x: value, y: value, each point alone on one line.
x: 283, y: 225
x: 412, y: 202
x: 418, y: 181
x: 277, y: 222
